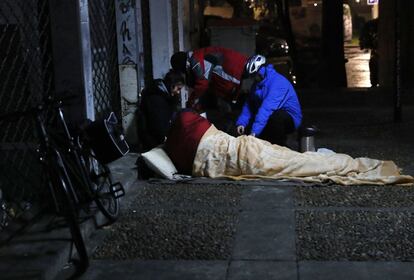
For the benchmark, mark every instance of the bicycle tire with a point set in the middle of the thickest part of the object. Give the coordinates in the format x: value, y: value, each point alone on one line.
x: 69, y: 212
x: 101, y: 183
x: 93, y: 183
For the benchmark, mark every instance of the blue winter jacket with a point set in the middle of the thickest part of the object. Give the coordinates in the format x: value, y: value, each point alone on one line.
x: 273, y: 93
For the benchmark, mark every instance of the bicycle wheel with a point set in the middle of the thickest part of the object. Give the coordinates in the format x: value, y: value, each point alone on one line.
x: 64, y: 190
x: 101, y: 188
x: 92, y: 181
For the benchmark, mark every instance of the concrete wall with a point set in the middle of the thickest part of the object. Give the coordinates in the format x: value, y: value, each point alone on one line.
x: 386, y: 46
x: 130, y: 59
x: 156, y: 28
x: 131, y: 32
x: 181, y: 21
x: 190, y: 23
x: 386, y: 35
x: 72, y: 55
x: 386, y: 41
x: 186, y: 24
x: 161, y: 36
x: 407, y: 43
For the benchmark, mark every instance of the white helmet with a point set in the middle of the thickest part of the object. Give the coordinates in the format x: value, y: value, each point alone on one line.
x: 254, y: 63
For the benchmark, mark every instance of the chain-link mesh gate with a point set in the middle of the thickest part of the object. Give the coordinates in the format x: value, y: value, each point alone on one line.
x: 25, y: 76
x: 104, y: 57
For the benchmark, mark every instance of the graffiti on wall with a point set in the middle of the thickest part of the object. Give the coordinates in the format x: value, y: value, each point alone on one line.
x: 125, y: 12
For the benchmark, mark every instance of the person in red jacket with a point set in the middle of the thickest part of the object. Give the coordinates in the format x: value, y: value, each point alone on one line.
x: 183, y: 138
x: 211, y: 72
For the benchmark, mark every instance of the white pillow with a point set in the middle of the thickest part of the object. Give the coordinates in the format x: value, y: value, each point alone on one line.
x: 159, y: 162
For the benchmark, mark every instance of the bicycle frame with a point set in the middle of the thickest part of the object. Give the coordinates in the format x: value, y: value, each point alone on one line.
x: 74, y: 150
x: 93, y: 180
x: 48, y: 153
x: 67, y: 163
x: 59, y: 182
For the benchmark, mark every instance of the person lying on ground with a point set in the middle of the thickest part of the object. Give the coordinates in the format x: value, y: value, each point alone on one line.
x: 159, y: 102
x: 272, y: 109
x: 197, y: 148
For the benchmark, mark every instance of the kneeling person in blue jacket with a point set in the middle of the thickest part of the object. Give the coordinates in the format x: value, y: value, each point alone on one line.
x: 272, y: 109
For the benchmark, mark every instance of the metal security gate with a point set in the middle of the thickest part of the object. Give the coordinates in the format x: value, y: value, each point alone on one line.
x: 104, y: 57
x: 25, y: 76
x: 25, y: 57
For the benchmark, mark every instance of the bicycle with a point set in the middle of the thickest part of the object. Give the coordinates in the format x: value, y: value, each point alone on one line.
x: 76, y: 178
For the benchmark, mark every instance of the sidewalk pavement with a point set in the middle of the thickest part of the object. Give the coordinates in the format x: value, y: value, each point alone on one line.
x: 212, y: 229
x: 215, y: 229
x: 259, y: 230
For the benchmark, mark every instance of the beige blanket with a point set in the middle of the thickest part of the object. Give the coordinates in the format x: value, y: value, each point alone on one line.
x: 244, y: 157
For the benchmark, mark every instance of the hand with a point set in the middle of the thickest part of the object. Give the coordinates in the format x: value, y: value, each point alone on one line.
x: 240, y: 130
x: 253, y: 134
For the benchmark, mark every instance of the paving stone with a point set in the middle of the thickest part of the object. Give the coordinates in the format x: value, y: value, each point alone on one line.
x: 354, y: 196
x: 176, y: 221
x: 265, y: 235
x: 175, y: 234
x: 356, y: 270
x: 262, y: 270
x: 157, y: 270
x: 355, y: 235
x: 267, y: 197
x: 187, y: 196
